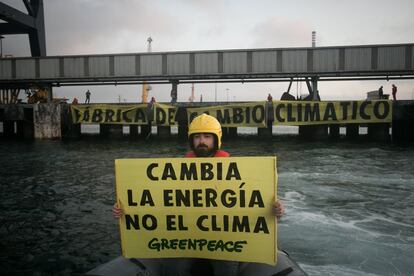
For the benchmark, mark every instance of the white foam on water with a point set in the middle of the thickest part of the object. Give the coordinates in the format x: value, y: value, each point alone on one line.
x: 333, y: 270
x: 391, y: 221
x: 314, y: 218
x: 293, y: 196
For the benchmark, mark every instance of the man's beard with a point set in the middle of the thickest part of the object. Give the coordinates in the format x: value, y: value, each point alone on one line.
x: 204, y: 151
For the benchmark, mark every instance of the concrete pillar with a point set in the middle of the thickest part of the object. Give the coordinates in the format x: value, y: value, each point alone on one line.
x: 334, y: 131
x: 103, y: 130
x: 133, y: 131
x: 402, y: 131
x: 379, y: 132
x: 270, y: 116
x: 111, y: 130
x: 163, y: 131
x: 315, y: 90
x: 182, y: 131
x: 145, y: 131
x: 69, y: 129
x: 225, y: 132
x: 8, y: 129
x: 47, y: 121
x: 25, y: 130
x: 352, y: 131
x: 182, y: 121
x: 49, y: 90
x: 314, y: 132
x: 232, y: 132
x: 174, y: 91
x: 72, y: 131
x: 264, y: 132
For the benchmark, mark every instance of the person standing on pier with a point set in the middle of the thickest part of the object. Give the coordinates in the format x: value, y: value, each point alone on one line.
x: 88, y: 97
x: 150, y: 111
x: 394, y: 92
x: 381, y: 92
x: 173, y: 95
x: 204, y: 137
x: 269, y: 98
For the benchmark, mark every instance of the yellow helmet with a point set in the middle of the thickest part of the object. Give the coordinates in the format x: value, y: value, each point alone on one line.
x: 205, y: 124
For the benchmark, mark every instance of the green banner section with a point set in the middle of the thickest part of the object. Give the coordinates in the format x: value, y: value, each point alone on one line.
x: 331, y: 112
x: 136, y: 114
x: 253, y: 114
x: 234, y: 115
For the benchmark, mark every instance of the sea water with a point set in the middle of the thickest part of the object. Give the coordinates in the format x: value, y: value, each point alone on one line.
x: 349, y: 206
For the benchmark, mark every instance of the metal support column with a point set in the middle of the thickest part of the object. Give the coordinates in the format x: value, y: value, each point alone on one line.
x: 352, y: 131
x: 49, y: 90
x: 174, y: 91
x: 334, y: 131
x: 379, y: 132
x: 133, y: 131
x: 31, y: 24
x: 315, y: 91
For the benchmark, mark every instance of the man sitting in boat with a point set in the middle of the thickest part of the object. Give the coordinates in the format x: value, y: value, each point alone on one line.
x: 205, y: 141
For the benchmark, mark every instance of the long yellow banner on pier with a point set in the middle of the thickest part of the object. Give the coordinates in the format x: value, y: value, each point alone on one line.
x: 297, y: 113
x: 252, y: 114
x: 135, y: 114
x: 331, y: 112
x: 234, y: 115
x: 215, y: 208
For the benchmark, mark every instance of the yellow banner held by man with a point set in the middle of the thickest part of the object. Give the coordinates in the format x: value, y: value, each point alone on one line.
x: 214, y: 208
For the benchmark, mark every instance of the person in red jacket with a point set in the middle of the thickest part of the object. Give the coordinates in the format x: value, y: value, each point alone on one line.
x: 204, y: 136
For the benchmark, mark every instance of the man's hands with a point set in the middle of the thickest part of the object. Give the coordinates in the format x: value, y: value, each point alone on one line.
x: 117, y: 210
x: 278, y: 209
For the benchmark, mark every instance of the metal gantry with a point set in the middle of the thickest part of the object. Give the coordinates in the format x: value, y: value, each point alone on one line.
x: 31, y: 24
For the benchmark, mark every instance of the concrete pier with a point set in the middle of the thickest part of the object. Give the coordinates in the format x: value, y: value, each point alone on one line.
x: 164, y: 132
x: 402, y: 131
x: 47, y: 121
x: 225, y: 132
x: 314, y: 132
x: 133, y: 131
x: 265, y: 132
x: 232, y: 132
x: 182, y: 131
x: 25, y: 130
x: 110, y: 131
x: 403, y: 122
x: 352, y: 131
x: 8, y: 129
x: 334, y: 131
x: 145, y: 131
x: 379, y: 132
x: 54, y: 121
x: 69, y: 129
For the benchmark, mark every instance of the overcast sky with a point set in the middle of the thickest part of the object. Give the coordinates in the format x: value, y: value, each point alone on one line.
x: 123, y: 26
